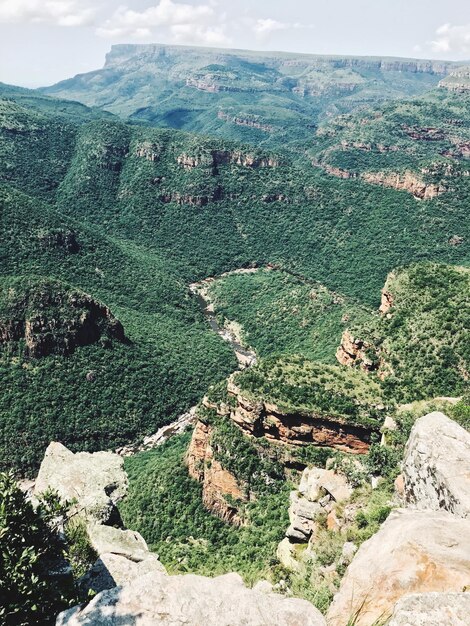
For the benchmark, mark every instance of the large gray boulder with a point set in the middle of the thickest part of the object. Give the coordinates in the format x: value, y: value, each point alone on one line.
x: 436, y: 468
x: 123, y: 556
x: 191, y: 601
x: 432, y: 609
x: 95, y: 481
x: 413, y: 552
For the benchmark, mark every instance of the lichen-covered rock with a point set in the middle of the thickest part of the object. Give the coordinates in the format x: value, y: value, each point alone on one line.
x: 95, y: 481
x: 432, y: 609
x: 189, y: 601
x: 413, y: 552
x: 127, y: 543
x: 436, y: 469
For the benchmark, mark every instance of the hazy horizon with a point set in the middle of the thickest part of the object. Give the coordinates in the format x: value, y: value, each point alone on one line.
x: 32, y: 32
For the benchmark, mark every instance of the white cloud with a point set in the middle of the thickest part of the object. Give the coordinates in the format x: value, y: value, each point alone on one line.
x: 60, y: 12
x: 203, y: 35
x: 264, y: 27
x: 267, y: 26
x: 186, y: 22
x: 452, y: 39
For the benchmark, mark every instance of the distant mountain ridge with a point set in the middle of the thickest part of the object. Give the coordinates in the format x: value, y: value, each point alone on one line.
x: 272, y: 98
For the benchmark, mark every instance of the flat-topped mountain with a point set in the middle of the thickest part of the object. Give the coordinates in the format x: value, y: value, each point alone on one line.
x: 274, y: 98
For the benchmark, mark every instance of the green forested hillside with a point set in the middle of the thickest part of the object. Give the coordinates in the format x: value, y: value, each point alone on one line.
x: 275, y: 99
x: 282, y: 314
x: 131, y: 215
x: 170, y: 359
x: 421, y: 344
x: 428, y: 137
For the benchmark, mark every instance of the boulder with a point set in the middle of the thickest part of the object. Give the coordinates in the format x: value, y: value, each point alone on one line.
x: 127, y: 543
x: 436, y: 469
x: 286, y: 554
x: 302, y: 514
x: 413, y: 552
x: 432, y: 609
x: 191, y: 600
x: 95, y: 481
x: 111, y: 570
x: 317, y: 482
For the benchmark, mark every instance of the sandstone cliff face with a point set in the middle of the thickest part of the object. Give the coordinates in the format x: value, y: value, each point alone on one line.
x: 458, y: 80
x: 226, y: 157
x: 268, y: 420
x: 408, y: 181
x: 52, y: 320
x: 219, y: 487
x: 243, y: 121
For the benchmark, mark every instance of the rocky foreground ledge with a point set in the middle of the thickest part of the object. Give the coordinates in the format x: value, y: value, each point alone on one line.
x: 415, y: 571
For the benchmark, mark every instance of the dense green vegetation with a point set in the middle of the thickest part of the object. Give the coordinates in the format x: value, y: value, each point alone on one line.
x: 165, y: 505
x: 168, y: 363
x: 114, y: 211
x: 423, y: 342
x: 299, y: 385
x: 29, y: 549
x: 427, y: 135
x: 280, y: 313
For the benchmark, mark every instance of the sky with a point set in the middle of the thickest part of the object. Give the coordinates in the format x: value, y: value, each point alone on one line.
x: 44, y: 41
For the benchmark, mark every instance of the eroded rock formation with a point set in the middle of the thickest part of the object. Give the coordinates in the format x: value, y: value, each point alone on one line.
x: 259, y: 418
x: 193, y: 600
x: 414, y: 551
x: 220, y: 488
x: 353, y: 351
x: 319, y: 491
x: 436, y: 468
x: 55, y: 320
x: 216, y: 158
x: 406, y: 181
x: 96, y: 482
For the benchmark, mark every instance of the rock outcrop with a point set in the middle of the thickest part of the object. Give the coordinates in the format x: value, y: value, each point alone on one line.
x: 413, y: 552
x: 95, y: 481
x: 436, y: 468
x: 319, y: 491
x: 432, y: 609
x: 353, y: 351
x: 406, y: 181
x: 259, y: 418
x: 191, y: 600
x: 123, y: 557
x: 215, y: 158
x: 54, y: 319
x: 220, y: 488
x: 457, y: 81
x: 402, y: 181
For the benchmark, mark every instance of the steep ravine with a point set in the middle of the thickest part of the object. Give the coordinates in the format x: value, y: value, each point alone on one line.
x: 245, y: 356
